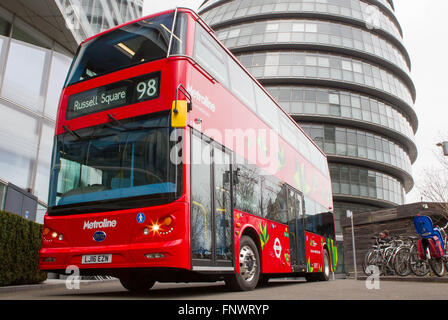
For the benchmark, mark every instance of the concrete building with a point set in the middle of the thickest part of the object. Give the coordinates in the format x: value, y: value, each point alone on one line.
x: 340, y: 68
x: 37, y: 42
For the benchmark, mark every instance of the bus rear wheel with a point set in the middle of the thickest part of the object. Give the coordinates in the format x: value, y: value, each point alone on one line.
x: 325, y: 274
x: 249, y: 262
x: 136, y: 282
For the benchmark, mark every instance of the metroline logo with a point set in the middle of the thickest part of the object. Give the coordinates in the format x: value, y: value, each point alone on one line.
x: 100, y: 224
x: 198, y: 96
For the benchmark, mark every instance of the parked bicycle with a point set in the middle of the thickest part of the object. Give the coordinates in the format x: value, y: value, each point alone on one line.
x: 405, y: 255
x: 407, y: 259
x: 382, y: 255
x: 431, y: 246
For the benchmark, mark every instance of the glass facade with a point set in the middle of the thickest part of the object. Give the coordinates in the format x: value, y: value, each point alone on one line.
x: 33, y: 68
x: 357, y: 143
x: 340, y: 68
x: 29, y: 103
x: 32, y: 81
x: 311, y: 65
x: 89, y: 17
x: 355, y: 181
x: 365, y: 12
x: 342, y: 104
x: 315, y: 32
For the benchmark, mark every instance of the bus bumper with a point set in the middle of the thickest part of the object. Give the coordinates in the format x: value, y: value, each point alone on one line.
x: 169, y: 255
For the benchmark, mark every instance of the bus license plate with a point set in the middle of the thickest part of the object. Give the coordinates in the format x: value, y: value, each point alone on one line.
x: 97, y: 258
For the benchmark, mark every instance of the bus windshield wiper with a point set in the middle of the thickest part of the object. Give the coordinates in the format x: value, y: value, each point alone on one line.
x: 116, y: 121
x: 73, y: 133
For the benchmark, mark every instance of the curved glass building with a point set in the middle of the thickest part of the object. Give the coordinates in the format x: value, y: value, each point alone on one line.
x: 340, y: 68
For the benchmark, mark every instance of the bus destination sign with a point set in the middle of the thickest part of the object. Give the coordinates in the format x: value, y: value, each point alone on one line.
x: 114, y: 95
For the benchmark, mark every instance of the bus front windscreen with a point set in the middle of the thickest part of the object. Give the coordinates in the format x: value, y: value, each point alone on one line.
x: 140, y: 42
x: 115, y: 162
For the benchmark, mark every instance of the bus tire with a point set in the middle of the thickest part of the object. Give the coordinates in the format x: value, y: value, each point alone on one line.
x: 325, y: 274
x: 136, y: 283
x: 249, y: 261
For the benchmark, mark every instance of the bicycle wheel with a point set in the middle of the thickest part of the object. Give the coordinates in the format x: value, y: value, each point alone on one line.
x: 374, y: 258
x: 438, y: 266
x: 418, y: 267
x: 401, y: 262
x: 388, y: 257
x: 364, y: 262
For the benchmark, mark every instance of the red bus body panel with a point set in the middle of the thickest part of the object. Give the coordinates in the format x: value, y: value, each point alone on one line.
x: 275, y: 252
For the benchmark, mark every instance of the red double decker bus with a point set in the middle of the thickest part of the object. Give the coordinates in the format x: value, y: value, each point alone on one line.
x: 172, y: 163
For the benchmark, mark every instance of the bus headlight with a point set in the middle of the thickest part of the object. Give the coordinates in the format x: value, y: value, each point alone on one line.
x: 50, y: 235
x: 162, y: 226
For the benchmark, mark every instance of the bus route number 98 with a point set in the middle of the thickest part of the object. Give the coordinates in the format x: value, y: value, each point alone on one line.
x: 147, y: 89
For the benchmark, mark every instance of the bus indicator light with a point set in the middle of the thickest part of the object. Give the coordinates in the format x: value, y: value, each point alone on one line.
x: 179, y: 114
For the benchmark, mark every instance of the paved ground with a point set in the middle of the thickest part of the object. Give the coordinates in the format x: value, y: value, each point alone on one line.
x: 275, y: 290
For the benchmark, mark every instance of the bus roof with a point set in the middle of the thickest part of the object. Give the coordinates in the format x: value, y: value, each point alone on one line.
x: 134, y: 21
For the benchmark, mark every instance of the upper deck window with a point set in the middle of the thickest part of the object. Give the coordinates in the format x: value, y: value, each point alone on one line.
x: 210, y: 55
x: 140, y: 42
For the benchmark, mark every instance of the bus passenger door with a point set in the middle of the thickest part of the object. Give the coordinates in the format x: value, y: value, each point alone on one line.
x: 296, y: 230
x: 223, y: 231
x: 211, y: 212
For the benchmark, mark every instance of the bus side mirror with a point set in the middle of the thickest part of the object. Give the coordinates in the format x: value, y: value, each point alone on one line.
x: 179, y: 114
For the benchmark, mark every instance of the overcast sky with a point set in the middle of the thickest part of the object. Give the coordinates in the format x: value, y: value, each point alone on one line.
x: 426, y: 38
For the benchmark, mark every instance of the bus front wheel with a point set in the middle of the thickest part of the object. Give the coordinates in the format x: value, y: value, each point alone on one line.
x: 136, y: 283
x: 249, y: 262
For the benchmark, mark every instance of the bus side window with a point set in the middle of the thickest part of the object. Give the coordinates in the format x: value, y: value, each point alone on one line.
x: 274, y: 200
x: 248, y: 190
x: 210, y: 55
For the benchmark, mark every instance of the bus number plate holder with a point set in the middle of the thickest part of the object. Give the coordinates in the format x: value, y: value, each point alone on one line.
x: 97, y: 258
